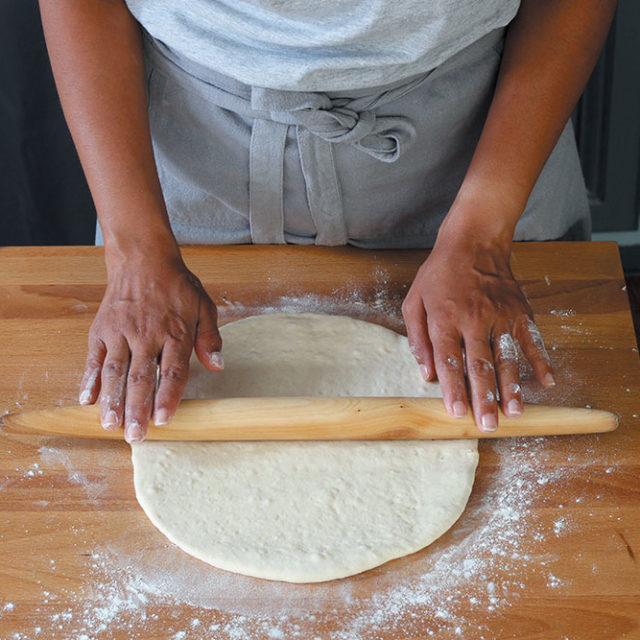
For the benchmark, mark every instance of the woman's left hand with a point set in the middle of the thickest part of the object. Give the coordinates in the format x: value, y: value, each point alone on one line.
x: 464, y: 314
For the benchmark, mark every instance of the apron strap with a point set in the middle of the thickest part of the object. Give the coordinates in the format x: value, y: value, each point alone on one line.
x: 323, y: 189
x: 266, y: 169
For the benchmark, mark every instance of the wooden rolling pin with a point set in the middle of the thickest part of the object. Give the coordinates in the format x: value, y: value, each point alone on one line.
x: 317, y: 418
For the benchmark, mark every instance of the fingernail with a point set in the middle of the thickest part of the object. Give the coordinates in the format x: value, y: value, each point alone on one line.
x: 161, y: 418
x: 85, y: 396
x: 426, y: 373
x: 489, y: 422
x: 110, y: 420
x: 514, y: 408
x: 459, y: 409
x: 549, y: 380
x: 216, y: 359
x: 133, y: 432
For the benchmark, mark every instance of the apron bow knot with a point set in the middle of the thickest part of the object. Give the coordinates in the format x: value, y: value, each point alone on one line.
x: 339, y: 120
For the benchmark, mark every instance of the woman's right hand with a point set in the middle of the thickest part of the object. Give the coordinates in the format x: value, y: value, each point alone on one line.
x: 154, y: 310
x: 152, y: 315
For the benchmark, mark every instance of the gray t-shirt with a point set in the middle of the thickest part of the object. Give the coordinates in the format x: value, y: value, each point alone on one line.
x: 320, y: 45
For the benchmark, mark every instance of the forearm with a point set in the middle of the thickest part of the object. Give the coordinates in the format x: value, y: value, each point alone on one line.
x: 550, y: 50
x: 96, y: 54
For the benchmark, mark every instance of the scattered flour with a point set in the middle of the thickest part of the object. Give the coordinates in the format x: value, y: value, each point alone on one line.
x: 52, y: 456
x: 478, y: 566
x: 507, y: 349
x: 563, y: 312
x: 377, y: 305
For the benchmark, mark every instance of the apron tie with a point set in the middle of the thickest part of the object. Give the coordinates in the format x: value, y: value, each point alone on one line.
x: 320, y: 121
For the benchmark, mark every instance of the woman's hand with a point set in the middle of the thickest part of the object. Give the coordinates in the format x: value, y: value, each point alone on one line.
x: 464, y: 300
x: 464, y: 313
x: 150, y: 318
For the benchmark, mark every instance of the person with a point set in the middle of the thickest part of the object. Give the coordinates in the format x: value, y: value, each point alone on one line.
x: 377, y: 124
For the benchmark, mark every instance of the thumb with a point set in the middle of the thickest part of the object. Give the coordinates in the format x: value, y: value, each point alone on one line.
x: 208, y: 342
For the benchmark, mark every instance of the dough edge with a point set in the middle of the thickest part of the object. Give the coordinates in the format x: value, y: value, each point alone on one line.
x: 329, y: 573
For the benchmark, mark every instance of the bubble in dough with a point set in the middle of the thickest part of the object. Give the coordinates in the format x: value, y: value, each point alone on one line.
x: 305, y: 511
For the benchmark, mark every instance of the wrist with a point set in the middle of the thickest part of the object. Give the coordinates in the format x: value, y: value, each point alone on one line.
x: 150, y: 249
x: 482, y: 218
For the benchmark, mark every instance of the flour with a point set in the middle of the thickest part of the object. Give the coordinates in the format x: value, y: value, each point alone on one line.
x: 507, y: 347
x: 483, y: 565
x: 579, y: 329
x: 53, y: 456
x: 376, y: 305
x: 478, y: 567
x: 536, y: 338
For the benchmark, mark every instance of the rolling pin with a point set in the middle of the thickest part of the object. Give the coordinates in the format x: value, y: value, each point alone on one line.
x: 316, y: 418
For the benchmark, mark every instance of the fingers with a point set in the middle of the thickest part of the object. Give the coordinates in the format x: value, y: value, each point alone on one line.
x: 482, y: 382
x: 141, y: 383
x: 450, y: 370
x: 415, y: 319
x: 90, y: 385
x: 208, y: 342
x: 506, y: 361
x: 533, y: 347
x: 114, y: 376
x: 174, y: 371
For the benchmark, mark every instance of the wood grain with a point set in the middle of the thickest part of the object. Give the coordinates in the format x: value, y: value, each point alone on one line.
x: 315, y: 418
x: 80, y: 559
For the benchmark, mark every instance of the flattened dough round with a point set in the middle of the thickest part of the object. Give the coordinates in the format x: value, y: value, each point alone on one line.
x: 306, y: 511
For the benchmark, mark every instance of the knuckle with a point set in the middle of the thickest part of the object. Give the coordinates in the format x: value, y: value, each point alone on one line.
x: 407, y: 306
x: 512, y: 388
x: 114, y: 369
x: 411, y: 304
x: 141, y: 377
x: 112, y: 401
x: 480, y: 367
x: 451, y: 364
x: 443, y: 329
x: 488, y: 398
x: 97, y: 328
x: 176, y: 372
x: 480, y: 308
x: 176, y: 326
x: 139, y: 336
x: 141, y: 331
x: 179, y: 331
x: 92, y: 363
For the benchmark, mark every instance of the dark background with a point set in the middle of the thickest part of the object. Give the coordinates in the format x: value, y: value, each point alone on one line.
x: 43, y: 194
x: 44, y: 198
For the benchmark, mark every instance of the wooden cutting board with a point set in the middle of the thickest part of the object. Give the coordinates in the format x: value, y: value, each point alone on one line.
x: 548, y: 547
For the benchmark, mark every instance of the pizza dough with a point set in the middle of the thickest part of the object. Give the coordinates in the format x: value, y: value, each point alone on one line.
x: 305, y: 511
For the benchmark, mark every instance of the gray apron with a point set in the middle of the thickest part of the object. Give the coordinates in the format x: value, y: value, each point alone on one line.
x: 373, y: 168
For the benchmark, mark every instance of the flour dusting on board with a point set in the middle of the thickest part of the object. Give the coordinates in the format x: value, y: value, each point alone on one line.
x: 134, y: 588
x: 379, y: 304
x: 131, y: 586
